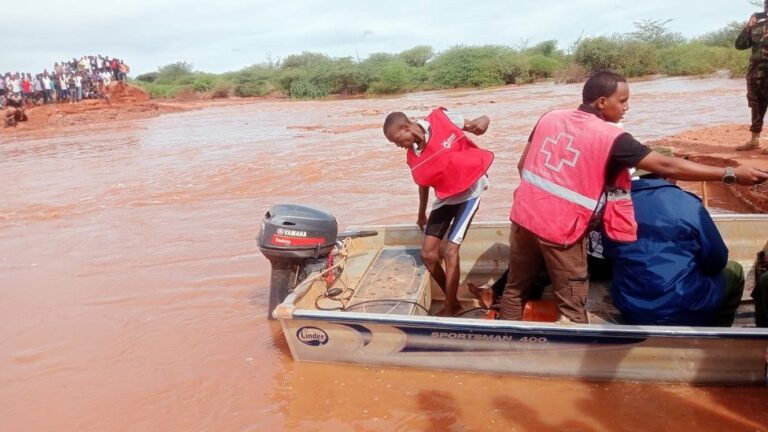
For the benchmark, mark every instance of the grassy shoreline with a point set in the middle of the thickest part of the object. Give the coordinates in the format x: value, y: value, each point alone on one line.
x: 649, y: 50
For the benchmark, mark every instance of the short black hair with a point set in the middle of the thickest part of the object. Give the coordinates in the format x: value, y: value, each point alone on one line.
x: 601, y: 84
x: 394, y: 119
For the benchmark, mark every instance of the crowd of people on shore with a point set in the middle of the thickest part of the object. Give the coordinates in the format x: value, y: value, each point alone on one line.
x: 67, y: 82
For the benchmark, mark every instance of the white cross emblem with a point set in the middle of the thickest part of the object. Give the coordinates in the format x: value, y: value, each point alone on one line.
x: 557, y: 152
x: 449, y: 141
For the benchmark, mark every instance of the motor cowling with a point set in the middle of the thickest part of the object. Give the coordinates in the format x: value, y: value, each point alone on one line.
x: 291, y: 236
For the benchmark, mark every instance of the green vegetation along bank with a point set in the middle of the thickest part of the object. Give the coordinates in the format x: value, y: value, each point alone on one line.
x: 650, y: 49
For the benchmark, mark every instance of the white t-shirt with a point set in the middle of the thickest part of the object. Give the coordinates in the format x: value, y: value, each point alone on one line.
x: 476, y: 189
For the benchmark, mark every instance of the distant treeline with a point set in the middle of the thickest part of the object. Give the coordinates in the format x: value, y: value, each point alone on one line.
x: 650, y: 49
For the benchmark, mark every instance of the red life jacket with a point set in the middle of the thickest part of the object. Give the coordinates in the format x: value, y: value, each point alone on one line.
x: 450, y: 162
x: 563, y: 179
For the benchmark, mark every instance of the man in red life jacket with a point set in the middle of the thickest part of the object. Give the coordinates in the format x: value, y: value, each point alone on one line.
x: 443, y: 158
x: 572, y: 159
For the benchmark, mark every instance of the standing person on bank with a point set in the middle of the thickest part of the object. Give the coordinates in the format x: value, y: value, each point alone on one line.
x: 572, y: 158
x: 443, y: 158
x: 755, y: 36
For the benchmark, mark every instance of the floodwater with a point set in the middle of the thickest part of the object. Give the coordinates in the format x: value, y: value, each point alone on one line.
x: 133, y: 295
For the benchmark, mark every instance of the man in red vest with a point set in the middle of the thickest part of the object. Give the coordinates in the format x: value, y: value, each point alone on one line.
x: 443, y: 158
x: 573, y: 160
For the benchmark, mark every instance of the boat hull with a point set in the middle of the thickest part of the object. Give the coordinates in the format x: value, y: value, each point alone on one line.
x: 387, y: 267
x: 665, y: 354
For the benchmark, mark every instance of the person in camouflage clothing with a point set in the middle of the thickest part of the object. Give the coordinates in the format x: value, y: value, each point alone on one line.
x: 755, y: 36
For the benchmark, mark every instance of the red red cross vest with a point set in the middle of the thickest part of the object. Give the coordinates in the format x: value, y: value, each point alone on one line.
x: 450, y: 162
x: 563, y: 178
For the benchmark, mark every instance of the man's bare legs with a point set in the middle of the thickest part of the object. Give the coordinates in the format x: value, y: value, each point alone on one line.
x: 433, y: 254
x: 450, y: 254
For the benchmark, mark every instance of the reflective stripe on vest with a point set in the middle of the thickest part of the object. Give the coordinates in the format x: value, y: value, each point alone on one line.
x: 559, y: 191
x: 563, y: 176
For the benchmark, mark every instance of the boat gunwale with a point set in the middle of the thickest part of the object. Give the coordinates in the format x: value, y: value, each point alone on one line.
x: 586, y: 330
x: 503, y: 224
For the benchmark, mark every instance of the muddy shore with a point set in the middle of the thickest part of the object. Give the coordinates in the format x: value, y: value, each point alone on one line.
x: 123, y: 103
x: 716, y: 146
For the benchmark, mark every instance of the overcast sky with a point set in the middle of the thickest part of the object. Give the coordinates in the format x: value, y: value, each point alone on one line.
x: 227, y: 35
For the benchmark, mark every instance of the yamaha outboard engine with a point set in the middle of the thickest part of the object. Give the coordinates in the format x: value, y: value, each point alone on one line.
x: 293, y: 236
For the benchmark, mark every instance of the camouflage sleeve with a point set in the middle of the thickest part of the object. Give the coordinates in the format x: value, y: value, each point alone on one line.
x: 743, y: 41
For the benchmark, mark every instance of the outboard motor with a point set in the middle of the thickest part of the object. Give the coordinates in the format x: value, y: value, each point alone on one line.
x: 292, y: 237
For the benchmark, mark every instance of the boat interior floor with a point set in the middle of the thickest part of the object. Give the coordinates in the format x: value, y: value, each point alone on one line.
x: 393, y: 280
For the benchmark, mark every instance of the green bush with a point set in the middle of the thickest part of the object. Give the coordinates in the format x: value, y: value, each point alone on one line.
x: 542, y: 66
x: 305, y: 89
x: 251, y: 88
x: 572, y: 73
x: 688, y: 59
x: 417, y: 56
x: 463, y: 66
x: 204, y: 82
x: 341, y: 76
x: 489, y: 65
x: 161, y: 91
x: 222, y: 89
x: 254, y: 80
x: 637, y: 59
x: 512, y: 66
x: 148, y: 77
x: 175, y: 73
x: 599, y: 53
x: 306, y: 59
x: 547, y: 48
x: 724, y: 37
x: 394, y: 77
x: 655, y: 33
x: 736, y: 62
x: 545, y: 59
x: 285, y: 78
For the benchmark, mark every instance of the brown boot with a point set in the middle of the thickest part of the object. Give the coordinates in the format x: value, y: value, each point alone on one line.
x: 752, y: 144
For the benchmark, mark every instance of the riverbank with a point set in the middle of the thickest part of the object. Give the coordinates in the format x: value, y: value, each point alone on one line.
x: 123, y: 103
x: 715, y: 145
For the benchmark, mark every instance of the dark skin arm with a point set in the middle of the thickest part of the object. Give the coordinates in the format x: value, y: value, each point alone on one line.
x: 744, y: 41
x: 477, y: 126
x: 681, y: 169
x: 421, y: 219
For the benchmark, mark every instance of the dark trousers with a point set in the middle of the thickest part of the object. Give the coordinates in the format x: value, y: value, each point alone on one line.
x: 757, y: 97
x: 566, y: 266
x: 733, y: 276
x: 760, y: 295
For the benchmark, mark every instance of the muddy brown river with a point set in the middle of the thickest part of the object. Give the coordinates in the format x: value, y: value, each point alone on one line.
x: 133, y: 295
